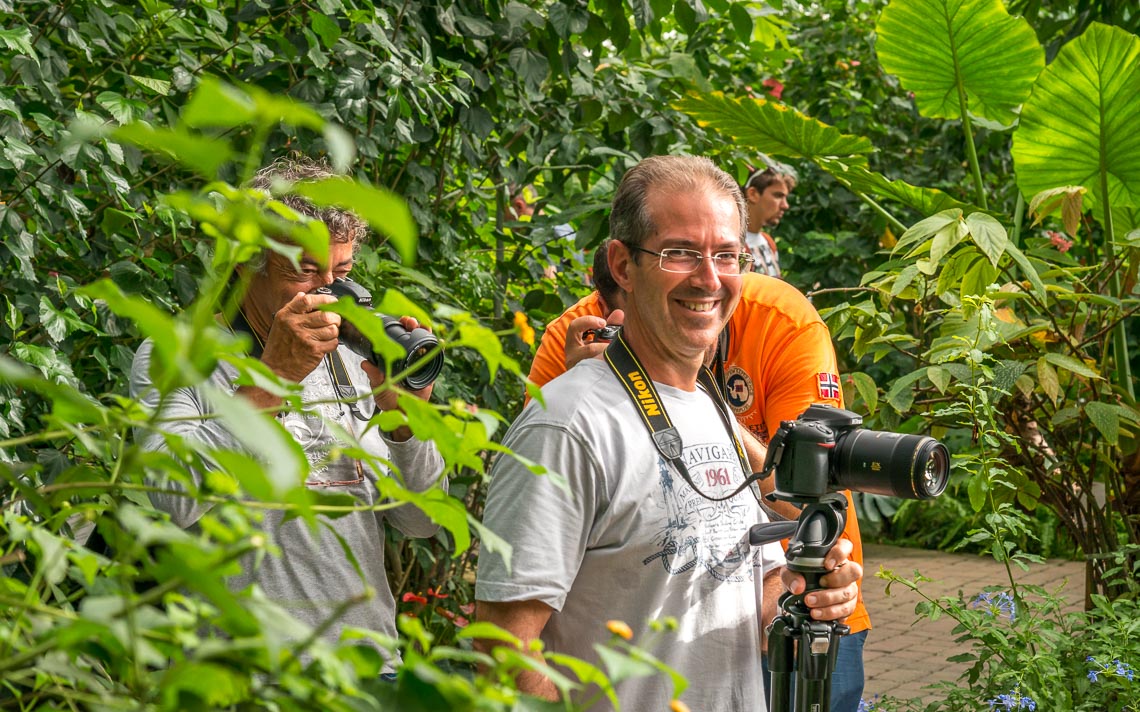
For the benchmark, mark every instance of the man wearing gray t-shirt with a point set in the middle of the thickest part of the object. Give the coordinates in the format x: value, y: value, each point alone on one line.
x: 636, y: 535
x: 312, y: 577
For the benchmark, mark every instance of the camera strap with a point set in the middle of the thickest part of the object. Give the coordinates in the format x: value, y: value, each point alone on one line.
x: 625, y: 365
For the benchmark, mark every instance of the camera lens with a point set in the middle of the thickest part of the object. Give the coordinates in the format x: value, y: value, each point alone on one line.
x: 909, y: 466
x: 417, y: 343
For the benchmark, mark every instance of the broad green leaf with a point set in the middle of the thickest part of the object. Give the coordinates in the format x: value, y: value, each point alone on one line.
x: 1106, y: 419
x: 1078, y: 127
x: 939, y: 376
x: 927, y: 201
x: 765, y: 126
x: 203, y: 154
x: 385, y: 211
x: 924, y: 229
x: 215, y: 103
x: 1071, y: 364
x: 158, y: 86
x: 18, y: 39
x: 938, y: 48
x: 988, y: 234
x: 978, y: 278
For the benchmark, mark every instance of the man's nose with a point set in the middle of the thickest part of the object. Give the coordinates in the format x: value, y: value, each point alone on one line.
x: 705, y: 274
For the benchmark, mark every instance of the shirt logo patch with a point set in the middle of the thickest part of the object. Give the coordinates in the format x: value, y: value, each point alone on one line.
x: 740, y: 393
x: 828, y: 386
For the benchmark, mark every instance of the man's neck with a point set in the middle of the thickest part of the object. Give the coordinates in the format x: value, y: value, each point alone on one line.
x: 667, y: 367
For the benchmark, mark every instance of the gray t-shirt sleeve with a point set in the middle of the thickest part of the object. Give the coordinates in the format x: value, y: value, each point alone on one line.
x: 547, y: 527
x: 420, y: 464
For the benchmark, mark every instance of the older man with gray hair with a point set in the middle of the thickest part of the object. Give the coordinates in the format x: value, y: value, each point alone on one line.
x: 322, y: 578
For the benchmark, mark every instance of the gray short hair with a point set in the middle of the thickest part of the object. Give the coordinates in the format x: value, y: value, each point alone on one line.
x: 343, y: 225
x: 630, y: 221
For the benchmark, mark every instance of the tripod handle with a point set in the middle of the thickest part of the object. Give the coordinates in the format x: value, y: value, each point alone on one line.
x: 769, y: 532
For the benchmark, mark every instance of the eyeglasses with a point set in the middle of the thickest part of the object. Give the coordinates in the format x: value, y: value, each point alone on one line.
x: 682, y: 261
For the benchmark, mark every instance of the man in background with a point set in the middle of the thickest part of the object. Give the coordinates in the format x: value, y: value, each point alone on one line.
x: 766, y: 193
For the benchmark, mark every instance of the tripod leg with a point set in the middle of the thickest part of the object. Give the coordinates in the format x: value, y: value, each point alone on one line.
x: 781, y: 653
x: 818, y: 646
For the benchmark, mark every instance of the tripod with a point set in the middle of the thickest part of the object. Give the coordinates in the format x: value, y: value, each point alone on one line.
x: 811, y: 536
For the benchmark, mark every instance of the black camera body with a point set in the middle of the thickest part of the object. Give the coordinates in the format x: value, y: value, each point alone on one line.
x: 417, y: 343
x: 826, y: 450
x: 608, y: 332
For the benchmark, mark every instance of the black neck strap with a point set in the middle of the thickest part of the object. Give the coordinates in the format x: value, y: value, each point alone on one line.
x: 629, y: 371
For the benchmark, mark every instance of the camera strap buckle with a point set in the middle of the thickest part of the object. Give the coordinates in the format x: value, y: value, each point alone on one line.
x: 668, y: 442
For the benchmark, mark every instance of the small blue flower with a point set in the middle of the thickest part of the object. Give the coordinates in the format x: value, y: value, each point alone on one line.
x: 1093, y: 675
x: 868, y: 705
x: 1013, y: 701
x: 996, y: 604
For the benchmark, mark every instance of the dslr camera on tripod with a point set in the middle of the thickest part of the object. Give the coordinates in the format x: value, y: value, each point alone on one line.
x: 815, y: 457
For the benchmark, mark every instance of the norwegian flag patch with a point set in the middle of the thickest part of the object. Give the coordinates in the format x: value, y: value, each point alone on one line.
x: 828, y: 386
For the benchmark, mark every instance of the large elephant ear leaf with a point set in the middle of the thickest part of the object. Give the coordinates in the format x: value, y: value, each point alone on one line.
x: 1081, y: 124
x: 772, y: 128
x: 938, y: 47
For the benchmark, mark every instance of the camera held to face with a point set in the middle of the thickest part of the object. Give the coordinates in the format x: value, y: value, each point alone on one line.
x: 825, y: 450
x: 417, y: 343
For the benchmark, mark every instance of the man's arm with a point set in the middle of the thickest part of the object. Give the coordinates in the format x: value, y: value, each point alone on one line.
x: 524, y: 620
x: 769, y: 604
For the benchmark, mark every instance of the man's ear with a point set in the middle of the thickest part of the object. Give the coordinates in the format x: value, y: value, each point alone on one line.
x: 619, y: 257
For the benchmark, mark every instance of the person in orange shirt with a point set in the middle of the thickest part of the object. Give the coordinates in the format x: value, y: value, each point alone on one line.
x: 780, y: 360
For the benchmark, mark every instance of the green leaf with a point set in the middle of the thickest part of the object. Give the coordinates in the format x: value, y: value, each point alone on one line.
x: 939, y: 376
x: 18, y: 40
x: 988, y: 234
x: 772, y: 128
x: 1047, y: 377
x: 924, y: 229
x: 1071, y: 364
x: 938, y: 47
x: 203, y: 154
x: 866, y: 387
x: 1027, y: 269
x: 215, y: 103
x: 120, y: 108
x: 862, y: 180
x: 1067, y: 198
x: 157, y: 86
x: 978, y: 278
x: 385, y: 211
x: 741, y: 21
x: 325, y: 28
x: 976, y: 490
x: 263, y: 436
x: 1106, y: 419
x: 1078, y: 127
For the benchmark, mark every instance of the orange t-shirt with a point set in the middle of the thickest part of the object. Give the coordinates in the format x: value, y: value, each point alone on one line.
x: 780, y: 361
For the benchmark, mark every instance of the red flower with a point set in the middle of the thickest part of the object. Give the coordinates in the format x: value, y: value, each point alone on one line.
x: 775, y: 87
x: 1059, y: 241
x: 413, y: 597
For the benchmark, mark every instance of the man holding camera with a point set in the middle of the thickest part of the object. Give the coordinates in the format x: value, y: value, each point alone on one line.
x: 650, y: 526
x: 313, y: 577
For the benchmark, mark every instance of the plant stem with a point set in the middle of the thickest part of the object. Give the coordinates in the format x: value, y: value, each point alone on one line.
x: 1123, y: 370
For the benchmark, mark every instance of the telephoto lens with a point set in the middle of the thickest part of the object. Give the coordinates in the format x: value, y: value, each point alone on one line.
x: 909, y: 466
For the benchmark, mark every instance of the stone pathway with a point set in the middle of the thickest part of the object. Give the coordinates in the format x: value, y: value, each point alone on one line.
x: 903, y: 654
